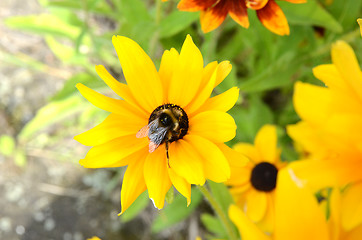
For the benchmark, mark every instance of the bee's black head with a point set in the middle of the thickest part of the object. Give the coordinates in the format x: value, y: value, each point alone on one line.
x: 165, y: 119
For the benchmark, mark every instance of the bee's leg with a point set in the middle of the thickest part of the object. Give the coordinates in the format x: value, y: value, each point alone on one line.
x: 167, y: 156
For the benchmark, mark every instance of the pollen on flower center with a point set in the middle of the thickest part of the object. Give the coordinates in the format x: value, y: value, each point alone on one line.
x: 171, y: 119
x: 264, y: 177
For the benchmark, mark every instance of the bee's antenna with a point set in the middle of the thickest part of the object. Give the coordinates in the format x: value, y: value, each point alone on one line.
x: 167, y: 156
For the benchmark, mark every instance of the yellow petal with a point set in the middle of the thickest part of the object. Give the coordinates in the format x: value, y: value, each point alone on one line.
x: 156, y: 176
x: 186, y: 162
x: 120, y: 89
x: 355, y: 234
x: 108, y: 104
x: 133, y: 183
x: 328, y: 73
x: 320, y: 174
x: 352, y: 207
x: 346, y: 62
x: 297, y: 211
x: 249, y: 151
x: 248, y: 230
x: 112, y: 127
x: 256, y: 205
x: 140, y: 73
x: 113, y: 152
x: 236, y: 159
x: 334, y: 221
x: 168, y: 65
x: 181, y: 185
x: 216, y: 167
x: 312, y: 103
x: 222, y: 102
x: 216, y: 126
x: 187, y: 77
x: 359, y: 20
x: 266, y: 143
x: 239, y: 176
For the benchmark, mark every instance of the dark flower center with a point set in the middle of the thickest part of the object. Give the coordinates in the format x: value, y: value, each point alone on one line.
x: 264, y: 177
x: 170, y: 119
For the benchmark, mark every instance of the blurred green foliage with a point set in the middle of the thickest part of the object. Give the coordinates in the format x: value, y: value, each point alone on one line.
x: 265, y: 66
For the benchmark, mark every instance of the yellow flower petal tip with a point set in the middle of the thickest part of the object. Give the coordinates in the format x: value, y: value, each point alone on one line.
x: 359, y: 20
x: 122, y: 139
x: 94, y: 238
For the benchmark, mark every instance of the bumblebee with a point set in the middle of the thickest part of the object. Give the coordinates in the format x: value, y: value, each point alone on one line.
x: 166, y: 124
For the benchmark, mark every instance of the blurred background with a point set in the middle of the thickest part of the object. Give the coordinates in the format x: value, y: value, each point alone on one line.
x: 47, y: 46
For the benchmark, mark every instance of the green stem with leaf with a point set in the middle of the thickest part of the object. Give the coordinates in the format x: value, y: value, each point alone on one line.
x: 217, y: 208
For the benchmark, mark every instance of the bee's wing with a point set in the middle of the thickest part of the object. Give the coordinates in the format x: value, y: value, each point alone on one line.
x: 156, y: 134
x: 143, y: 132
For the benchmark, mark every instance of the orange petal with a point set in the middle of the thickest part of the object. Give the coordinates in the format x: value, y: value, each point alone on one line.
x: 238, y: 12
x: 296, y: 1
x: 133, y: 183
x: 256, y: 4
x: 195, y: 5
x: 213, y: 17
x: 156, y: 176
x: 273, y: 18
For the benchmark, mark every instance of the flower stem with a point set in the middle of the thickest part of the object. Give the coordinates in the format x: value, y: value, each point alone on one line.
x: 155, y: 38
x: 217, y: 208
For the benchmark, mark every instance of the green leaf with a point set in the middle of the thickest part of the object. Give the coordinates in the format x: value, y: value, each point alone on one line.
x: 310, y: 13
x: 137, y: 206
x: 134, y: 11
x: 277, y: 74
x: 43, y: 24
x: 69, y: 87
x: 213, y: 225
x: 7, y: 145
x: 176, y: 22
x: 221, y: 194
x: 249, y: 120
x: 177, y: 211
x: 52, y: 113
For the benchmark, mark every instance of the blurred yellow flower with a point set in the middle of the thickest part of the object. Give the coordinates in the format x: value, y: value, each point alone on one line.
x: 253, y: 186
x: 214, y: 12
x: 300, y: 217
x: 167, y: 129
x: 330, y: 132
x: 94, y: 238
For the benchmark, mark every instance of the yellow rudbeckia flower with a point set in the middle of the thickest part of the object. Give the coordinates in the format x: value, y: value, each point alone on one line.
x: 253, y: 185
x: 167, y: 129
x: 330, y: 131
x: 300, y: 217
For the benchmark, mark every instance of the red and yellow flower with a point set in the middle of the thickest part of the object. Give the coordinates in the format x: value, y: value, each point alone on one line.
x: 214, y: 12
